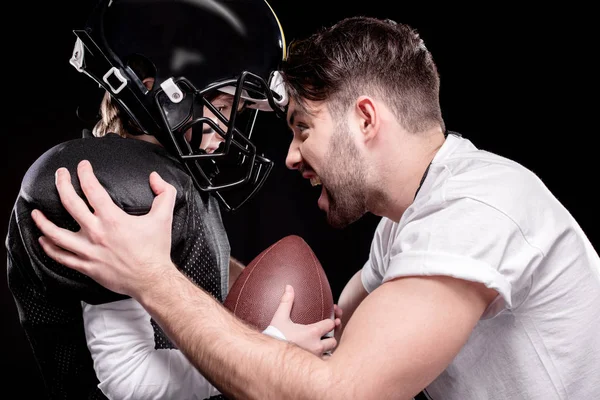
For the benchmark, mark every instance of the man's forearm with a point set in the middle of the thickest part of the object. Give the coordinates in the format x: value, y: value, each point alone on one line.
x: 240, y: 361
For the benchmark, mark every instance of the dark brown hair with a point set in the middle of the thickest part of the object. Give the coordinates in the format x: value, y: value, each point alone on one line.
x: 367, y: 56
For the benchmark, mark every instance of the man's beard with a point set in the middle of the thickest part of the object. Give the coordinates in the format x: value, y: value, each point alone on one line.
x: 345, y: 180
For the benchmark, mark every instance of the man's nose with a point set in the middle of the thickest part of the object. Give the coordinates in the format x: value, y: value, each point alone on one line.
x: 294, y: 157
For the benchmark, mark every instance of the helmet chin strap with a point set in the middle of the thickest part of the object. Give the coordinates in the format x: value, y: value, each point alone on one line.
x: 197, y: 132
x: 196, y: 139
x: 210, y: 168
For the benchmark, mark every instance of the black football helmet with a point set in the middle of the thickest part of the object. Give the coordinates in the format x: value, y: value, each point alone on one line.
x: 194, y: 50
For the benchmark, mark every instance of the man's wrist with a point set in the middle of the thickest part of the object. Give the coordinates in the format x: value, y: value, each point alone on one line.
x: 150, y: 284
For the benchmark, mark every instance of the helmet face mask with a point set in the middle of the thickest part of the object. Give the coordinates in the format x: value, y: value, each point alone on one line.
x: 235, y: 164
x: 195, y: 50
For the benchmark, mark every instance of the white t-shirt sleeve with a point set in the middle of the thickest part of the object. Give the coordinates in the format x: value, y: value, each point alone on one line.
x: 464, y: 238
x: 374, y: 269
x: 121, y: 341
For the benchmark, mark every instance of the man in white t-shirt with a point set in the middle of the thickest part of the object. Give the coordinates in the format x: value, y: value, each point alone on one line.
x: 483, y: 218
x: 480, y: 284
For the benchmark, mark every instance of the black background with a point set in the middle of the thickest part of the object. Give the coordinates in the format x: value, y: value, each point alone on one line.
x: 520, y: 83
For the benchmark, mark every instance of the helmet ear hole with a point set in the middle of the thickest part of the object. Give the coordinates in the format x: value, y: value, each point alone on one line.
x: 149, y: 83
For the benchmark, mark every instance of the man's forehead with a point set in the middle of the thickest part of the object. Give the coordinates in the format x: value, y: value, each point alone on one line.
x: 296, y: 110
x: 293, y: 111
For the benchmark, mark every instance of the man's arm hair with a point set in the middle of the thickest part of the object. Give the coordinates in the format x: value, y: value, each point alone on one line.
x: 393, y: 327
x: 236, y: 358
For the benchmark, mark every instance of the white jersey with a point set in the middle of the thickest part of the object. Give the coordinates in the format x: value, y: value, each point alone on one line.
x: 128, y: 364
x: 484, y: 218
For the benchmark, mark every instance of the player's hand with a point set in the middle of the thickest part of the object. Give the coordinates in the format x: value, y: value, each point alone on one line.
x: 122, y: 252
x: 315, y: 337
x: 338, y: 312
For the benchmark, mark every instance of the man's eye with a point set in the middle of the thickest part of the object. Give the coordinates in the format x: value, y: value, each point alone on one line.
x: 301, y: 127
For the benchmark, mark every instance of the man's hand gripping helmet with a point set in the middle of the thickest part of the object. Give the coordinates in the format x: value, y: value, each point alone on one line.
x: 194, y: 50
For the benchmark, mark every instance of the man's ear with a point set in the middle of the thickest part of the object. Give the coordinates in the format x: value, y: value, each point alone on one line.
x: 368, y: 117
x: 148, y: 82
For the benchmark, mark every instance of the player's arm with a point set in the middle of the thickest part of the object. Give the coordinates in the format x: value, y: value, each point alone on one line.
x: 352, y: 295
x: 128, y: 365
x: 121, y: 341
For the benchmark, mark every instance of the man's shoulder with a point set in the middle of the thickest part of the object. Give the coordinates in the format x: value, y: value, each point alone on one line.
x: 466, y: 171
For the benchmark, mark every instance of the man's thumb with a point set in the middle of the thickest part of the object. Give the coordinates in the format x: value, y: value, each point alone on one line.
x: 164, y: 202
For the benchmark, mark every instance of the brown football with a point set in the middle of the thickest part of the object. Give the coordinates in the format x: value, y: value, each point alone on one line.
x: 256, y: 293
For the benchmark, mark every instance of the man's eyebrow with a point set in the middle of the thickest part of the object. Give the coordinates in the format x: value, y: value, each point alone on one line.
x: 292, y: 118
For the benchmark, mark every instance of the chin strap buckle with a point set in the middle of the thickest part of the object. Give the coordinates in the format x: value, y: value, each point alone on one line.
x: 115, y: 80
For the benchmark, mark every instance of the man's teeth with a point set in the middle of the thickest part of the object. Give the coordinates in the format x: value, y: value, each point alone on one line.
x: 315, y: 181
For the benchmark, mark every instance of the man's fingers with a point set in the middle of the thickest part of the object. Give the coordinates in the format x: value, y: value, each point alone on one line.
x: 164, y: 202
x: 62, y: 256
x: 71, y: 200
x: 95, y: 193
x: 60, y: 237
